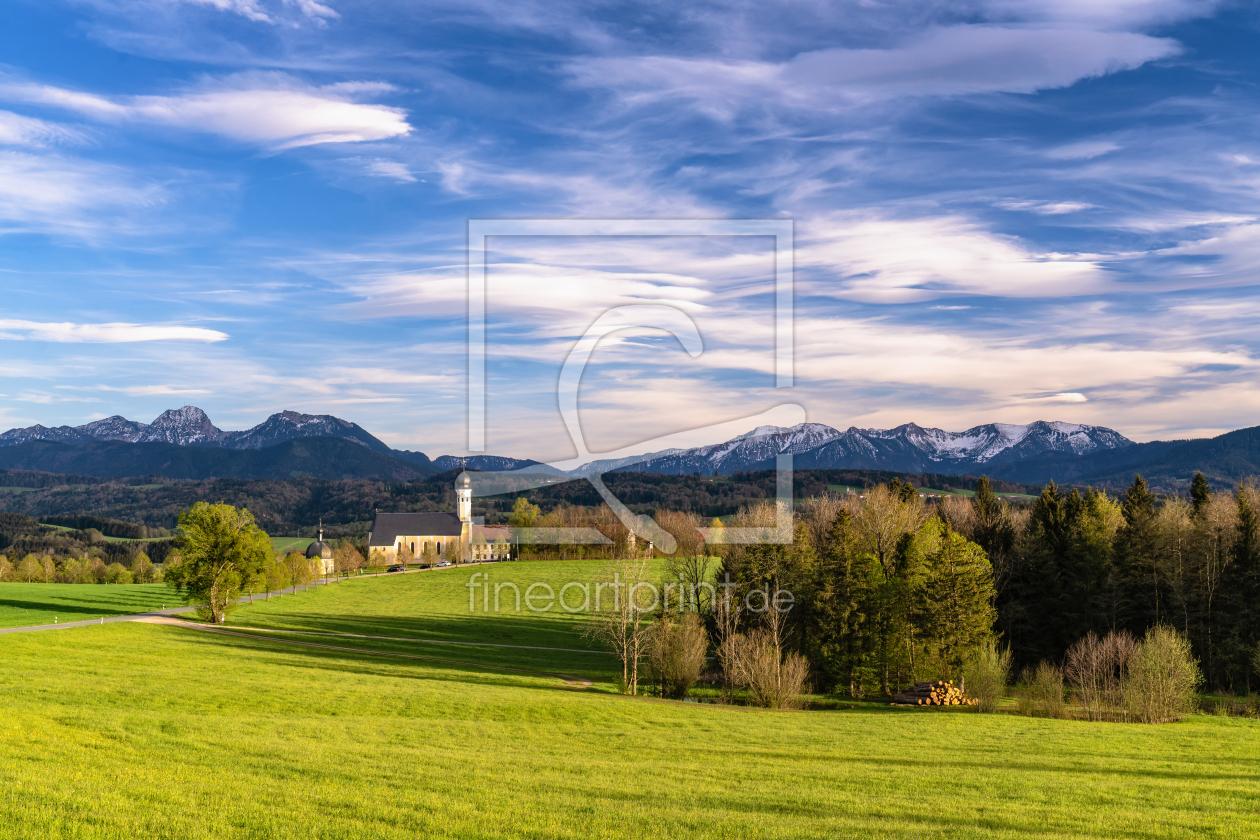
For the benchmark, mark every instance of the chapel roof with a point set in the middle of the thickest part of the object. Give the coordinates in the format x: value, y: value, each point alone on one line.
x: 389, y: 526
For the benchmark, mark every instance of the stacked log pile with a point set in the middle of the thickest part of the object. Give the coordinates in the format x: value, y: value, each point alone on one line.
x: 935, y: 693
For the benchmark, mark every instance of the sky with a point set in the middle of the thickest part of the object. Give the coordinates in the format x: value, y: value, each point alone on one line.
x: 1003, y: 211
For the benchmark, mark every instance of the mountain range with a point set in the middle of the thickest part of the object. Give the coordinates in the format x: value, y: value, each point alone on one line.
x: 184, y: 443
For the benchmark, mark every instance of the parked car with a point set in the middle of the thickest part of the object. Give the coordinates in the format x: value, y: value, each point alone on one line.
x: 396, y: 569
x: 443, y: 563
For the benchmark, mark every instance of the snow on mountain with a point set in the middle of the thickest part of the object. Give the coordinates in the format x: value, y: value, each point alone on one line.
x: 906, y: 448
x: 190, y: 426
x: 182, y: 426
x: 909, y: 448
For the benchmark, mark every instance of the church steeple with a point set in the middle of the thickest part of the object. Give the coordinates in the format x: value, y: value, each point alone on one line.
x: 463, y: 497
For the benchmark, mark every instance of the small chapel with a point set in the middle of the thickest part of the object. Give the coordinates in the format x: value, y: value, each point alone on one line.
x: 440, y: 535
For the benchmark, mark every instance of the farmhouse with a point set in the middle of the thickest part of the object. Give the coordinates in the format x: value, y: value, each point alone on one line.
x: 440, y: 535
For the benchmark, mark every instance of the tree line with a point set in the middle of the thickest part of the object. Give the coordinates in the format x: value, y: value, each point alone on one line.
x: 888, y: 590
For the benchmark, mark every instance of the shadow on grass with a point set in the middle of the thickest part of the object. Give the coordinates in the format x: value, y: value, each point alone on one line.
x: 532, y: 630
x: 122, y: 605
x: 374, y: 663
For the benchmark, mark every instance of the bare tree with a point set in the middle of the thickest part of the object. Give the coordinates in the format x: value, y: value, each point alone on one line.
x: 620, y: 618
x: 347, y: 558
x: 1096, y: 668
x: 883, y: 518
x: 726, y: 612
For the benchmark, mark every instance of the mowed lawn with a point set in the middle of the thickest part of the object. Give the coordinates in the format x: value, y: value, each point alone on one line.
x: 134, y: 730
x: 27, y: 604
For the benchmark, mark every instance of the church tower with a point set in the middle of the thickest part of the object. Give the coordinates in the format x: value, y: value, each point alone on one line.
x: 463, y: 499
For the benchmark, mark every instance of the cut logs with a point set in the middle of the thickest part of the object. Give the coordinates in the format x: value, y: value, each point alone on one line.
x: 935, y: 693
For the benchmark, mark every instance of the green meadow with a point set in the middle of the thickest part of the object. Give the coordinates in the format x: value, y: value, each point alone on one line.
x: 26, y: 604
x: 136, y: 730
x: 286, y: 544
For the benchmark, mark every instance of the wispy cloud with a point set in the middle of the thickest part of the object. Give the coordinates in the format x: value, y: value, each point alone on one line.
x: 949, y: 61
x: 272, y: 110
x: 113, y: 333
x: 18, y: 130
x: 70, y: 195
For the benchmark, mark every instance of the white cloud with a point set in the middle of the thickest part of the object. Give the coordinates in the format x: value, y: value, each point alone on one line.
x: 111, y: 333
x: 152, y: 390
x: 393, y: 169
x: 1104, y: 13
x: 1058, y: 398
x: 272, y: 110
x: 884, y: 260
x: 256, y: 10
x: 18, y: 130
x: 978, y: 59
x: 1084, y: 150
x: 947, y: 61
x: 51, y: 192
x: 1046, y: 208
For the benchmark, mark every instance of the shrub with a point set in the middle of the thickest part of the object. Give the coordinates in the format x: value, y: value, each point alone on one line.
x: 987, y: 672
x: 676, y: 653
x: 775, y: 680
x: 117, y: 573
x: 1043, y: 690
x: 1162, y: 678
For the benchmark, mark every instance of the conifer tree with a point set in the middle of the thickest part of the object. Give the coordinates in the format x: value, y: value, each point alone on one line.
x: 847, y: 608
x: 1139, y: 604
x: 956, y: 599
x: 1200, y: 493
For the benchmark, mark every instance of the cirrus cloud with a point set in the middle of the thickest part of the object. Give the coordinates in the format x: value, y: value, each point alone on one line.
x: 110, y: 333
x: 272, y: 110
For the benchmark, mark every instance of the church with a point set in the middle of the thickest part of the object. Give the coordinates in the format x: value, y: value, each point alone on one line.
x: 440, y: 535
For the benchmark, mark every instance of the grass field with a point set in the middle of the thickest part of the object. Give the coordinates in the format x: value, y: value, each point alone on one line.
x: 129, y: 730
x: 286, y: 544
x: 26, y: 604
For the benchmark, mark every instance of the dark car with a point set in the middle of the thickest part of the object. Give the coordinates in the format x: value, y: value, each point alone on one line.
x: 396, y: 569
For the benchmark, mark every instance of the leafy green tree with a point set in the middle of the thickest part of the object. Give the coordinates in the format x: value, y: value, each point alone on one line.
x: 220, y: 548
x: 29, y: 569
x: 142, y: 570
x: 524, y: 514
x: 117, y: 573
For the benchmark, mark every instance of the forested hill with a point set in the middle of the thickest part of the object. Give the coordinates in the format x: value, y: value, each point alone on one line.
x: 325, y: 457
x: 295, y: 506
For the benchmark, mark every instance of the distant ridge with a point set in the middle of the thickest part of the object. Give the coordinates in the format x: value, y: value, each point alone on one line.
x: 184, y: 443
x: 908, y: 448
x: 190, y: 426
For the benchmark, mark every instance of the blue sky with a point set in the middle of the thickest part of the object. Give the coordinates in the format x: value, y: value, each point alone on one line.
x: 1005, y: 210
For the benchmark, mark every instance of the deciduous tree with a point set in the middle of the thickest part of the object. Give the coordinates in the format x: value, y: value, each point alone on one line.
x: 220, y: 547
